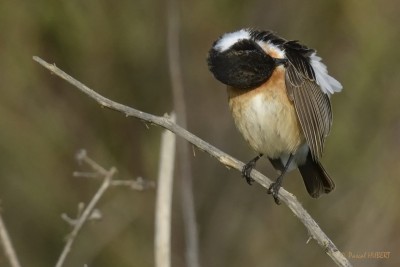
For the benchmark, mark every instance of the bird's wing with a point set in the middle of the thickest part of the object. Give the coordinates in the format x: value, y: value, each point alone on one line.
x: 311, y: 103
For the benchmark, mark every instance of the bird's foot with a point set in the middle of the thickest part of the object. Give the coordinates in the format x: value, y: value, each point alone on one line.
x: 274, y: 190
x: 274, y: 187
x: 246, y: 170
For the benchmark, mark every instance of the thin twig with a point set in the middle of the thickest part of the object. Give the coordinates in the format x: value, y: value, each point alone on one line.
x: 138, y: 184
x: 185, y: 165
x: 82, y: 157
x: 90, y: 212
x: 286, y: 197
x: 108, y: 175
x: 7, y: 245
x: 162, y: 244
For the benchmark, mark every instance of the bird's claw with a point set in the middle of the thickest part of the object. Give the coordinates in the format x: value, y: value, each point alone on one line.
x: 246, y: 172
x: 274, y: 191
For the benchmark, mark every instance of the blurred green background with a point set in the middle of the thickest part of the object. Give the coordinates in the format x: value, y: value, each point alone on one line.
x: 119, y: 49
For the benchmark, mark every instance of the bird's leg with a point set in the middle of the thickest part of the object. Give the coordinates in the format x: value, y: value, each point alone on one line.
x: 246, y: 171
x: 274, y: 188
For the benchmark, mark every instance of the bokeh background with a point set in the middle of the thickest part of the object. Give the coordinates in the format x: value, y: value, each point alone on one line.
x: 119, y: 49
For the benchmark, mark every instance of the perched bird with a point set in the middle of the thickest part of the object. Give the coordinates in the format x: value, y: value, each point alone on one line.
x: 279, y: 95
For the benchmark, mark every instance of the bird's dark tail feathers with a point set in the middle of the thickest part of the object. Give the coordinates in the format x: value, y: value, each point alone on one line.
x: 315, y: 178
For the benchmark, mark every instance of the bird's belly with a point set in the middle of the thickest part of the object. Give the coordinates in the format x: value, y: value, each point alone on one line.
x: 268, y: 122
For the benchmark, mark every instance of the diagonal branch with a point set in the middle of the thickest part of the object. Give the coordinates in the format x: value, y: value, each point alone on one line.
x: 86, y: 213
x: 108, y: 175
x: 289, y: 199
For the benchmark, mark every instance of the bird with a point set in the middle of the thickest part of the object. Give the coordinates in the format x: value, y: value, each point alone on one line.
x: 279, y: 95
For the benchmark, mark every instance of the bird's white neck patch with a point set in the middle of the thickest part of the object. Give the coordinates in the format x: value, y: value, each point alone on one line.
x: 271, y: 49
x: 229, y: 39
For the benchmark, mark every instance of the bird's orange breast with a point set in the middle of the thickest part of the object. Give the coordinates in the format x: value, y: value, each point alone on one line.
x: 266, y: 117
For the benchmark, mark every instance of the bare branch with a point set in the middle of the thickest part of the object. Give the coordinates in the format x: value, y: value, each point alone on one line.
x: 162, y: 237
x: 82, y: 157
x: 90, y: 212
x: 7, y: 245
x: 85, y: 215
x: 286, y: 197
x: 138, y: 184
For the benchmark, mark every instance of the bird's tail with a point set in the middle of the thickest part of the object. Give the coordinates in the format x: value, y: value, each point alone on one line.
x: 315, y: 178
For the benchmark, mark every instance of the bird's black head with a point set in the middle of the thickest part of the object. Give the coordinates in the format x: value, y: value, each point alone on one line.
x: 240, y: 63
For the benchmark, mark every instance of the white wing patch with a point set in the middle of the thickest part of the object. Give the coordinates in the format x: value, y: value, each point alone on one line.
x: 229, y: 39
x: 328, y: 84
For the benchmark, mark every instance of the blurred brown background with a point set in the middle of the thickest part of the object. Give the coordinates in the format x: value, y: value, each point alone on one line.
x: 119, y: 49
